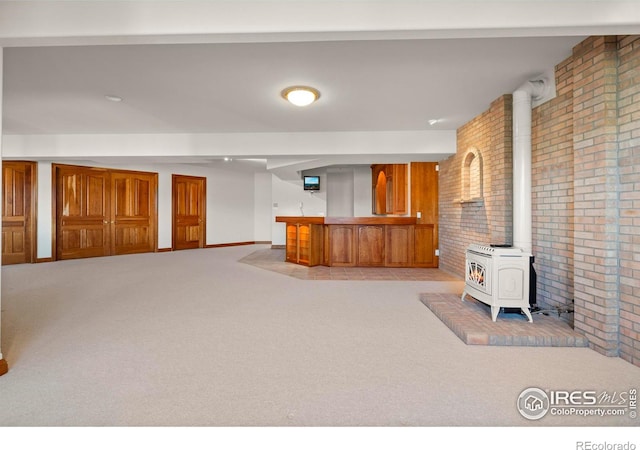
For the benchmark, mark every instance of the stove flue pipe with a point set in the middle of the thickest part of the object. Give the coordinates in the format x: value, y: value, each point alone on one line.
x: 522, y: 215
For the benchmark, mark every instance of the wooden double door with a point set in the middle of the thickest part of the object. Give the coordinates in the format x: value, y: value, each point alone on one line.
x: 101, y: 212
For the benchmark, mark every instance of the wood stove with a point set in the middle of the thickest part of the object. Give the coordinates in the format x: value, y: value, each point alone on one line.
x: 499, y: 277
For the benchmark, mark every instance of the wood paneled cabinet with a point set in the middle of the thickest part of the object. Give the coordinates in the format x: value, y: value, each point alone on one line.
x: 399, y: 242
x: 342, y: 245
x: 389, y: 188
x: 371, y: 245
x: 360, y: 242
x: 305, y: 244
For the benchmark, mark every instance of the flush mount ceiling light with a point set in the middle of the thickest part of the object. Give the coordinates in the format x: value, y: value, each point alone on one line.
x: 432, y: 122
x: 300, y: 95
x: 113, y: 98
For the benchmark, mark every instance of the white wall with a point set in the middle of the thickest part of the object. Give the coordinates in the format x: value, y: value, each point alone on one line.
x: 262, y: 201
x: 287, y: 196
x: 362, y: 195
x: 340, y: 193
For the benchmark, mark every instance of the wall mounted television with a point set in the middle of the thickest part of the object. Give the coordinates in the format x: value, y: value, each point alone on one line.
x: 311, y: 183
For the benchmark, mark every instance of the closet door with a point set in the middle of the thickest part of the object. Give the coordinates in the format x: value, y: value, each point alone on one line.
x: 18, y: 212
x: 133, y: 218
x: 83, y: 216
x: 189, y: 207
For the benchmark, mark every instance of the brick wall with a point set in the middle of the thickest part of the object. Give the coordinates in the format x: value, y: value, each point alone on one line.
x: 552, y: 194
x: 629, y: 198
x: 596, y: 192
x: 585, y: 192
x: 489, y: 137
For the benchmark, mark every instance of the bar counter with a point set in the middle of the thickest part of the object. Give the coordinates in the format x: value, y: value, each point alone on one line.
x: 360, y: 241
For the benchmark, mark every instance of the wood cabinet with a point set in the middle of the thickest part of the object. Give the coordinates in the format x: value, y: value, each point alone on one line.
x: 360, y: 241
x: 389, y: 188
x: 342, y: 245
x: 371, y: 245
x: 399, y: 244
x: 305, y: 243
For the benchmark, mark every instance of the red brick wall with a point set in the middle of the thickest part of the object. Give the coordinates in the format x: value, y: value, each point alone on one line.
x: 552, y: 194
x: 488, y: 222
x: 629, y: 198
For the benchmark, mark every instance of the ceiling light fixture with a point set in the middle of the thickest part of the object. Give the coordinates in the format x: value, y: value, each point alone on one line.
x: 113, y: 98
x: 433, y: 121
x: 300, y: 95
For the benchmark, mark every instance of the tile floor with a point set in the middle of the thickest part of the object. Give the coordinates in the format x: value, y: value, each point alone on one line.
x: 469, y: 320
x: 273, y: 260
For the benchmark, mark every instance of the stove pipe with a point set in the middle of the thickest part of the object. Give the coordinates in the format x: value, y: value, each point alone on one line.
x: 522, y: 219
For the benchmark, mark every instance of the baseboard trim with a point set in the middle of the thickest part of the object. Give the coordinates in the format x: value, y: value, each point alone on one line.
x: 278, y: 246
x: 167, y: 249
x: 230, y: 244
x: 44, y: 260
x: 4, y: 367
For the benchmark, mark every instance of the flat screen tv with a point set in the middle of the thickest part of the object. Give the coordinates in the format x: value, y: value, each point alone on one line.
x: 311, y: 183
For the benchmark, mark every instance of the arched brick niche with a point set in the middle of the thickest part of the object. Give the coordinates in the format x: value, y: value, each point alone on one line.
x: 472, y: 176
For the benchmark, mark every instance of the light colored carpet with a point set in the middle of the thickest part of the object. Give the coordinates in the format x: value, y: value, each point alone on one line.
x: 196, y: 338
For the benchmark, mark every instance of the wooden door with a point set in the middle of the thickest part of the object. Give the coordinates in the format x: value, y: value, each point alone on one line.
x: 189, y: 209
x: 424, y: 198
x: 424, y: 248
x: 18, y: 212
x: 83, y: 215
x: 133, y: 218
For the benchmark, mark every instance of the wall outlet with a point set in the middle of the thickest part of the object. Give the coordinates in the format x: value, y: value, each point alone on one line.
x: 419, y: 214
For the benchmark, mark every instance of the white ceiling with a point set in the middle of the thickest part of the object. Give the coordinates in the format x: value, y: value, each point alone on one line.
x: 378, y: 85
x: 380, y: 66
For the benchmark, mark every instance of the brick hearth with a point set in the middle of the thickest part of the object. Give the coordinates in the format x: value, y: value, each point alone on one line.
x: 471, y: 322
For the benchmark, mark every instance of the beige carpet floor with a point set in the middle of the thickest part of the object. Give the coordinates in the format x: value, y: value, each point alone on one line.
x: 197, y: 338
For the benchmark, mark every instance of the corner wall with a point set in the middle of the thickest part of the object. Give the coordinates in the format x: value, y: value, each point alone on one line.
x: 629, y: 197
x: 585, y: 193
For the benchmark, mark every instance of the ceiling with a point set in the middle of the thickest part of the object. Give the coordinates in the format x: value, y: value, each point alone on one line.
x: 375, y: 85
x: 203, y: 78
